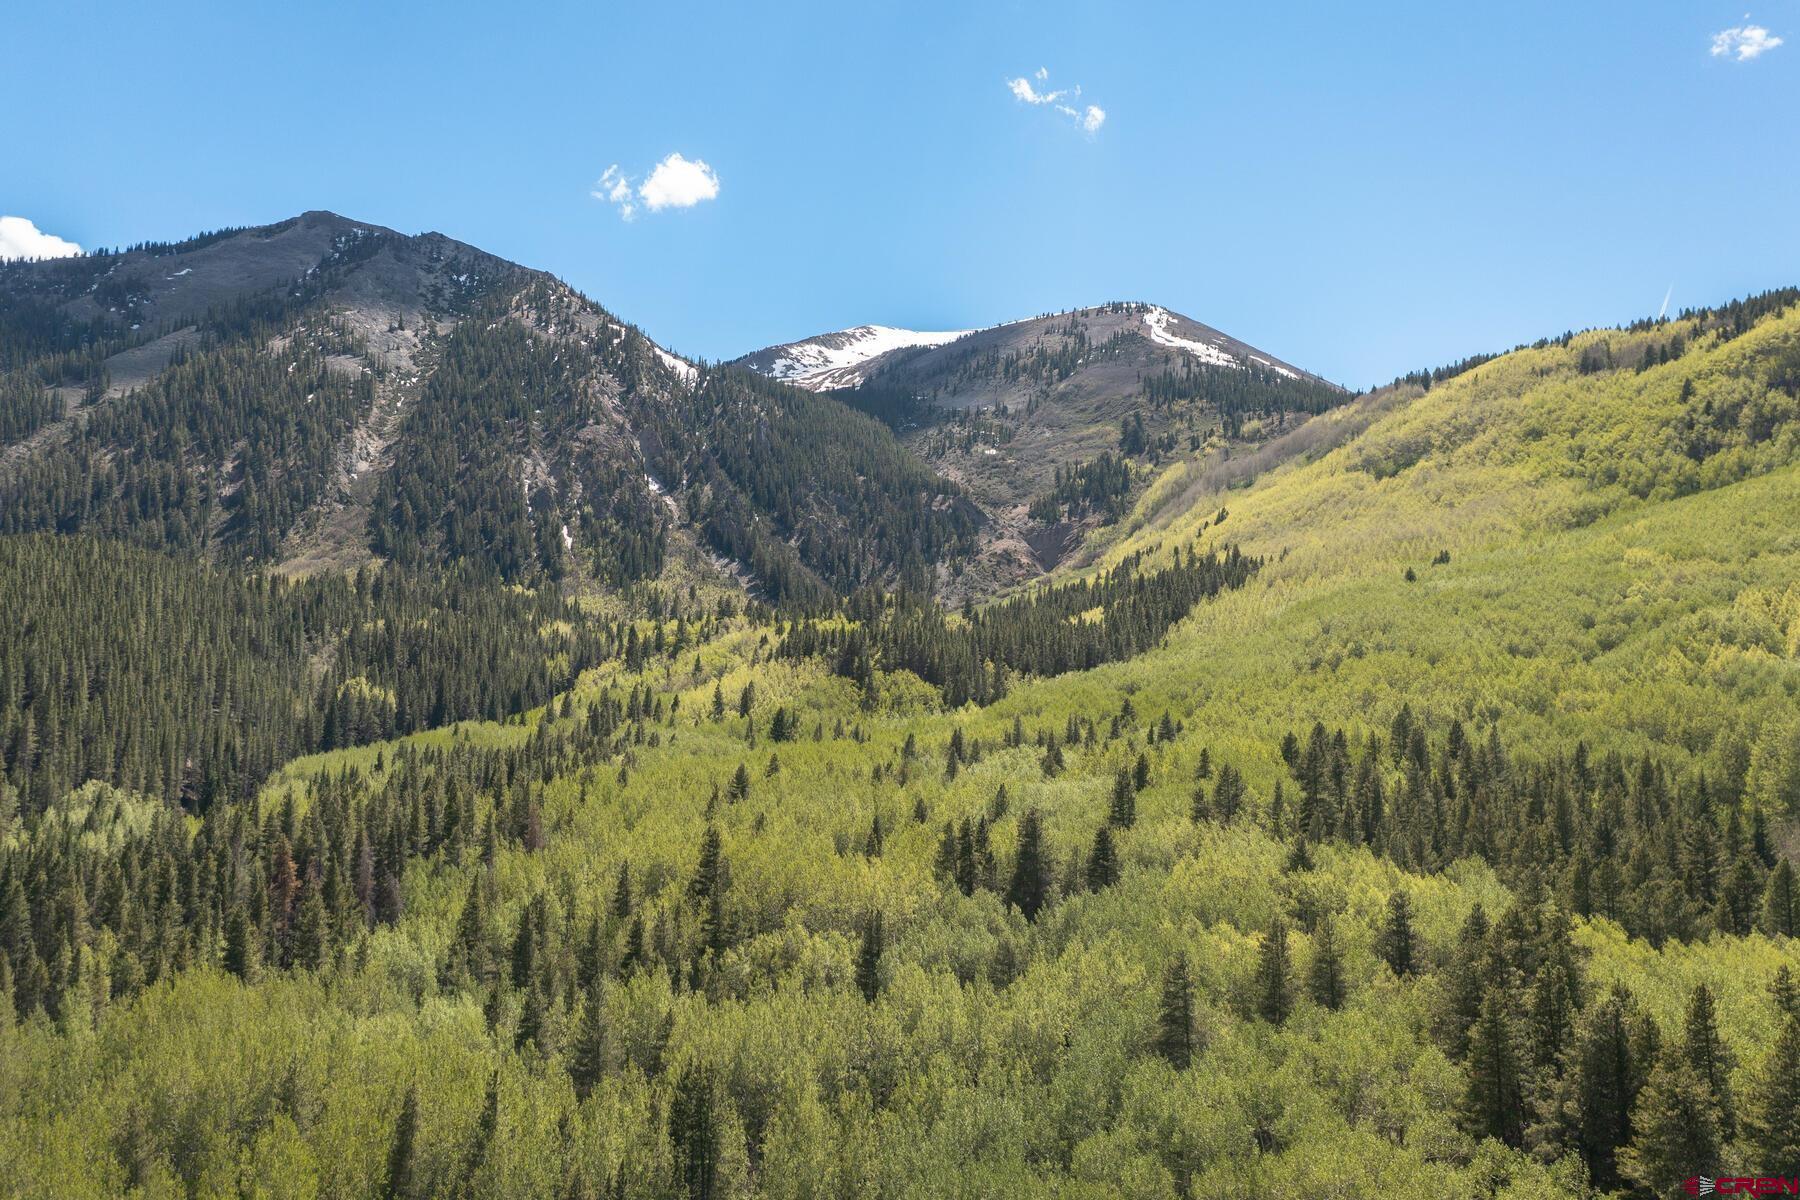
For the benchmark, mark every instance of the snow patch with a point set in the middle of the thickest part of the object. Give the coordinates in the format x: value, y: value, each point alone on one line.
x: 180, y: 273
x: 1157, y: 321
x: 568, y: 539
x: 684, y: 370
x: 836, y: 359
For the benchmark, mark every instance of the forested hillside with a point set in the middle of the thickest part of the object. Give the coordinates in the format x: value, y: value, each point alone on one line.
x: 1055, y: 425
x: 322, y: 393
x: 1403, y: 804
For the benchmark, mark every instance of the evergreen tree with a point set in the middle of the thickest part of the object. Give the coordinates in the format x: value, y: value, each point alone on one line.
x: 1229, y: 794
x: 1494, y: 1102
x: 1103, y: 861
x: 1705, y: 1053
x: 1175, y: 1015
x: 587, y: 1060
x: 1465, y: 982
x: 1772, y: 1116
x: 1676, y: 1133
x: 1029, y: 890
x: 1780, y: 905
x: 399, y: 1182
x: 1605, y: 1074
x: 1325, y: 976
x: 481, y: 1138
x: 242, y: 951
x: 1274, y: 976
x: 694, y: 1133
x: 868, y: 957
x: 1123, y: 812
x: 1395, y: 944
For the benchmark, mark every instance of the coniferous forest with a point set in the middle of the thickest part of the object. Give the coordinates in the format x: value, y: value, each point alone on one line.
x: 450, y: 746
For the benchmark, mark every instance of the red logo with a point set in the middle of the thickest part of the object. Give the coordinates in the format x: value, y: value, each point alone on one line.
x: 1741, y: 1185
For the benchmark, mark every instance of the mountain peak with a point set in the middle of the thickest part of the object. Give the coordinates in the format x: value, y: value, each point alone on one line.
x: 848, y: 357
x: 837, y: 360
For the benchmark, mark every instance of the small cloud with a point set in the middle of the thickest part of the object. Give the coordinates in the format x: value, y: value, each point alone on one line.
x: 1743, y: 42
x: 675, y: 182
x: 20, y: 238
x: 1088, y: 118
x: 1022, y: 90
x: 678, y: 183
x: 615, y: 188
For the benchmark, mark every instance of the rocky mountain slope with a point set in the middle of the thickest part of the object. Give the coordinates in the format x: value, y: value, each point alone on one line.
x: 1054, y: 424
x: 328, y: 392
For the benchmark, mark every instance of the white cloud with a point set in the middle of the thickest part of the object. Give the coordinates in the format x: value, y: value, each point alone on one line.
x: 679, y: 183
x: 675, y: 182
x: 1089, y: 119
x: 20, y: 238
x: 615, y: 188
x: 1743, y: 42
x: 1022, y: 90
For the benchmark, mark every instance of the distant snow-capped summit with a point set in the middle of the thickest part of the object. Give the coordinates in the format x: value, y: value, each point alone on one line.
x: 841, y: 359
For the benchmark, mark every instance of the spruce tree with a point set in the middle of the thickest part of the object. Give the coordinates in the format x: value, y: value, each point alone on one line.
x: 1029, y: 890
x: 242, y: 946
x: 1772, y: 1111
x: 1229, y: 794
x: 481, y: 1138
x: 1325, y: 975
x: 1103, y: 861
x: 1175, y: 1015
x: 1395, y: 943
x: 399, y: 1183
x: 1494, y: 1101
x: 1123, y: 812
x: 868, y: 957
x: 1605, y: 1074
x: 1274, y: 975
x: 1705, y: 1052
x: 694, y: 1134
x: 587, y: 1060
x: 1780, y: 906
x: 1676, y: 1133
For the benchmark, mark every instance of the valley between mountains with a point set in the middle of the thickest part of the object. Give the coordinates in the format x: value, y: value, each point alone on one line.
x: 451, y: 745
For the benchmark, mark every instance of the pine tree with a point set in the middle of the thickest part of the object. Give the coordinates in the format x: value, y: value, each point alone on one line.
x: 694, y: 1134
x: 1103, y: 861
x: 1705, y: 1052
x: 1494, y: 1102
x: 1274, y: 976
x: 1772, y: 1116
x: 1780, y: 906
x: 1395, y: 944
x: 403, y: 1151
x: 1465, y: 981
x: 1605, y: 1074
x: 587, y: 1061
x: 1029, y: 890
x: 868, y: 958
x: 481, y: 1138
x: 242, y: 946
x: 1123, y: 812
x: 1175, y: 1015
x: 1325, y: 976
x: 1229, y: 794
x: 470, y: 959
x: 1676, y: 1133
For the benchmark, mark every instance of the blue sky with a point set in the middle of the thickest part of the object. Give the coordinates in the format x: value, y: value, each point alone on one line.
x: 1361, y: 190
